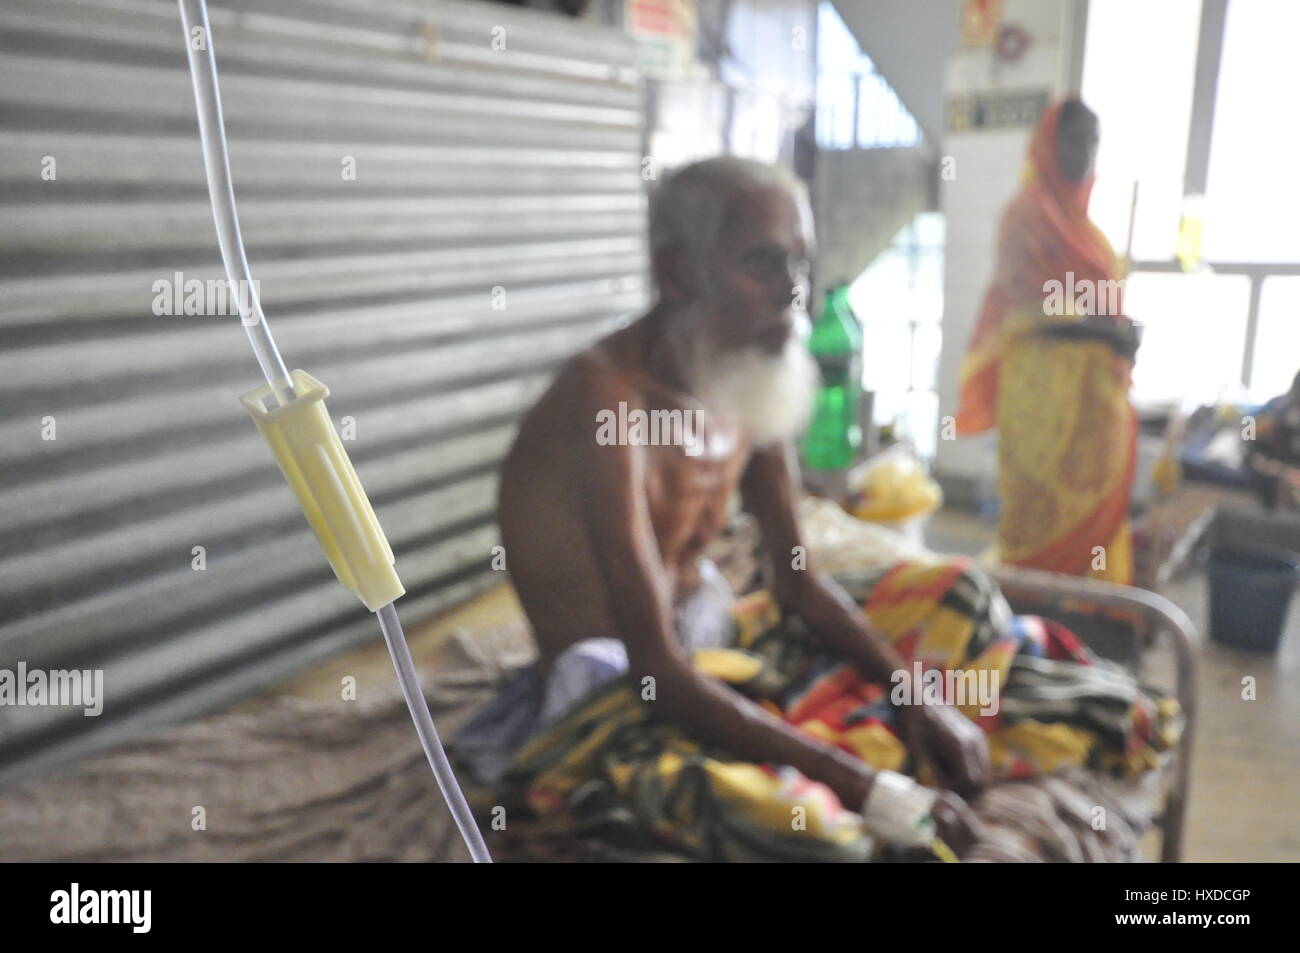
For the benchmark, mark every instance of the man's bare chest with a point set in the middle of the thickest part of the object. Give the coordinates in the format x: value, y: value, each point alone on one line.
x: 688, y: 497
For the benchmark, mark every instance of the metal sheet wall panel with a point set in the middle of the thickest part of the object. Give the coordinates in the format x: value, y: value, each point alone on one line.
x: 494, y: 225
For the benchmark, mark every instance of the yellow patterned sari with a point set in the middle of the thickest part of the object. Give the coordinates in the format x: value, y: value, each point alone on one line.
x: 1068, y: 440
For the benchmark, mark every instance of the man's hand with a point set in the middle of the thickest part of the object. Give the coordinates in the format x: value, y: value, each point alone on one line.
x: 948, y: 744
x: 955, y: 823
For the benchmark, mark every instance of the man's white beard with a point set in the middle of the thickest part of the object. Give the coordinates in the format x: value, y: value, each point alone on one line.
x: 770, y: 395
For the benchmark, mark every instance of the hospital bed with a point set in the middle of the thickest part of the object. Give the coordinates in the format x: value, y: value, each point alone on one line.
x: 1129, y: 626
x: 1124, y: 623
x: 298, y: 775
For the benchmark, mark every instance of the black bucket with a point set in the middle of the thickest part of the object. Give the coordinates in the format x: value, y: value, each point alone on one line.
x: 1250, y: 592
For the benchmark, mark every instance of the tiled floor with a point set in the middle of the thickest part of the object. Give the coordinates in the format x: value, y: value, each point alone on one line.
x: 1245, y: 791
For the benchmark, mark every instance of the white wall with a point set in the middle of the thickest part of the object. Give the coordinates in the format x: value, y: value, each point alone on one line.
x: 987, y: 166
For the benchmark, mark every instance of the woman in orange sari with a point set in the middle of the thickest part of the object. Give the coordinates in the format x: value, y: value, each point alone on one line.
x: 1050, y: 365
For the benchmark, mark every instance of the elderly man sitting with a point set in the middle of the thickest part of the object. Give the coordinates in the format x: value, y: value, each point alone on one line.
x: 759, y: 729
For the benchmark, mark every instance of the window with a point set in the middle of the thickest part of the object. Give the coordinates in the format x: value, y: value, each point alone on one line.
x: 1194, y: 338
x: 1138, y: 75
x: 899, y: 300
x: 1276, y: 357
x: 1251, y: 202
x: 856, y: 107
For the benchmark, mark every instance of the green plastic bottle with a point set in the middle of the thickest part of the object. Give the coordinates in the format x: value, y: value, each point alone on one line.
x: 834, y: 435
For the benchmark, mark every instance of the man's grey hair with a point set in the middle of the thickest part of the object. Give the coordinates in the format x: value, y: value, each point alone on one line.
x: 689, y: 210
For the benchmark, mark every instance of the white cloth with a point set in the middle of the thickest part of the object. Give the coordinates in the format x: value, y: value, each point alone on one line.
x: 702, y: 620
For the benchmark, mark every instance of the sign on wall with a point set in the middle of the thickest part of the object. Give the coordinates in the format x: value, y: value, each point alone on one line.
x: 665, y: 34
x: 1008, y: 109
x: 980, y: 20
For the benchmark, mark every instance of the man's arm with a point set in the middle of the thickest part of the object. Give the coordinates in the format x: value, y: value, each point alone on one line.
x: 769, y: 494
x: 944, y: 740
x: 637, y: 591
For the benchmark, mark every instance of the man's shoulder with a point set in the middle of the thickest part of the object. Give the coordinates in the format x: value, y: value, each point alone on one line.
x: 588, y: 382
x: 597, y: 375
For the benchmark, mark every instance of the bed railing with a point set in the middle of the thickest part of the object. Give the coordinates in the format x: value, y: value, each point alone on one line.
x: 1050, y: 593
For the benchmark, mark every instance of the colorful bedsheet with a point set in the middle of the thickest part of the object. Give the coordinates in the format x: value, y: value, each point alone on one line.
x: 612, y: 768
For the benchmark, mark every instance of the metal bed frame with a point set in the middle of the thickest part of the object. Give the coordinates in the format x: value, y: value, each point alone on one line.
x: 1050, y: 594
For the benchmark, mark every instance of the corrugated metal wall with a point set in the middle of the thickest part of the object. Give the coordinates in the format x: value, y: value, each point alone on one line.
x: 476, y: 168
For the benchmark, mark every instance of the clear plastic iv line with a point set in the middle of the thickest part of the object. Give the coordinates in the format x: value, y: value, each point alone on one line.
x: 216, y: 161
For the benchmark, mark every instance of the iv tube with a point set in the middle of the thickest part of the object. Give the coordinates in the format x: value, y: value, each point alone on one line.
x: 216, y: 161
